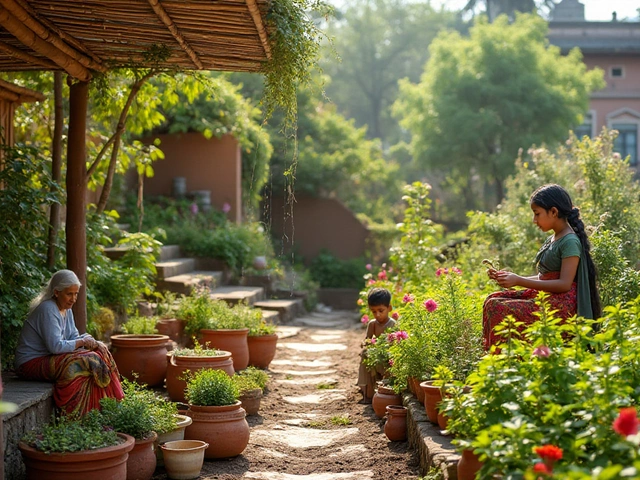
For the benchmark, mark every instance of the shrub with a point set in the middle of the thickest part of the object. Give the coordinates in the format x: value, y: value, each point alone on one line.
x: 140, y: 325
x: 209, y: 387
x: 332, y: 272
x: 131, y: 415
x: 255, y: 375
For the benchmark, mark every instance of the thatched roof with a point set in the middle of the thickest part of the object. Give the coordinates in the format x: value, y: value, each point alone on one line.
x: 81, y: 36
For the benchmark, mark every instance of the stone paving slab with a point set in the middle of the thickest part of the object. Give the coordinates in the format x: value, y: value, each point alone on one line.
x: 315, y: 398
x: 303, y: 363
x: 312, y: 348
x: 308, y: 381
x: 361, y: 475
x: 300, y: 437
x: 303, y: 372
x: 233, y: 294
x: 286, y: 331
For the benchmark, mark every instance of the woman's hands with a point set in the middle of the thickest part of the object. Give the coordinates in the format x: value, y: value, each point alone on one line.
x: 87, y: 342
x: 503, y: 278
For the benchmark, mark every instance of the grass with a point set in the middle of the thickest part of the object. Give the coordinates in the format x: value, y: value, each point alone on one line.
x: 316, y: 424
x: 325, y: 386
x: 341, y: 420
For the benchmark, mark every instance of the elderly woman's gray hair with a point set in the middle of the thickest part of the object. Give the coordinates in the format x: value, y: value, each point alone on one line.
x: 59, y: 281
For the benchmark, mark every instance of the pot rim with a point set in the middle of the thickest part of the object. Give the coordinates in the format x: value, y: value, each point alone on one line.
x: 171, y: 446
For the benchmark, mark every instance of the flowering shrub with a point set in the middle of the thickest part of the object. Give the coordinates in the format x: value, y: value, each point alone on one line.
x: 559, y: 385
x: 376, y: 354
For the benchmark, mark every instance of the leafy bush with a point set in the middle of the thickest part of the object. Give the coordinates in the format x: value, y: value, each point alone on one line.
x: 67, y: 434
x: 198, y: 351
x: 262, y: 328
x: 209, y: 387
x: 331, y: 272
x: 131, y: 415
x: 255, y: 375
x: 163, y: 413
x: 140, y: 325
x: 244, y: 383
x: 27, y: 191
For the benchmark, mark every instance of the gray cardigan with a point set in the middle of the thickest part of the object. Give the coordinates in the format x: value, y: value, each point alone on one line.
x: 46, y: 332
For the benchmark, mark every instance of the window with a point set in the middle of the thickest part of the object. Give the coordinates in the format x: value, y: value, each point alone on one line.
x: 617, y: 72
x: 586, y: 128
x: 627, y: 141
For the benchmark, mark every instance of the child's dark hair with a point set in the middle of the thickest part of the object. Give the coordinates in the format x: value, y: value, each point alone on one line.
x: 549, y: 196
x: 379, y: 296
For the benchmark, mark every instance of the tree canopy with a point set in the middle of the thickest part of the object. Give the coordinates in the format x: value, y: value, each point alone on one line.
x: 485, y: 97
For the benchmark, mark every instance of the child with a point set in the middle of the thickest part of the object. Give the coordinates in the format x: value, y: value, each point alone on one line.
x: 564, y: 265
x: 379, y: 300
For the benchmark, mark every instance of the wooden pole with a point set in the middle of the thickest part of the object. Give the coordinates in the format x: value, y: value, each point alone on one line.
x: 56, y: 167
x: 76, y: 196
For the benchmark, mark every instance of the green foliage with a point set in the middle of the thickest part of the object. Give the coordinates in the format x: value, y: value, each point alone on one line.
x: 209, y: 387
x: 27, y: 191
x: 67, y: 434
x: 341, y: 420
x: 562, y: 385
x: 261, y: 328
x: 255, y: 375
x: 162, y: 412
x: 600, y: 183
x: 331, y: 272
x: 131, y: 415
x: 140, y: 325
x: 505, y: 87
x: 198, y: 351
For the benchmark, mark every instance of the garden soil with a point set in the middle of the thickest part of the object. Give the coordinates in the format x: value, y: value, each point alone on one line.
x: 311, y: 425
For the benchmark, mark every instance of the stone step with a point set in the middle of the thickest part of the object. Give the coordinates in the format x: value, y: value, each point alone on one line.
x: 115, y: 253
x: 175, y: 267
x: 287, y: 309
x: 185, y: 283
x: 271, y: 316
x: 233, y: 294
x: 169, y: 252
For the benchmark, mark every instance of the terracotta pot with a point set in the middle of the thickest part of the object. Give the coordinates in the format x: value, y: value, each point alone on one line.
x: 174, y: 435
x: 177, y: 365
x: 109, y: 463
x: 224, y: 428
x: 251, y: 400
x: 432, y: 397
x: 142, y: 459
x: 141, y: 355
x: 262, y: 349
x: 173, y: 328
x: 184, y: 458
x: 396, y: 426
x: 468, y: 465
x: 234, y: 341
x: 384, y: 396
x: 419, y: 391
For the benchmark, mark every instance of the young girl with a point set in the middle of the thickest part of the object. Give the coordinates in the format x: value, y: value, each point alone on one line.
x: 564, y: 265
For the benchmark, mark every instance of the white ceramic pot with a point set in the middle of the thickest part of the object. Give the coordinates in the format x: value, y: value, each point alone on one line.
x: 177, y: 434
x: 183, y: 459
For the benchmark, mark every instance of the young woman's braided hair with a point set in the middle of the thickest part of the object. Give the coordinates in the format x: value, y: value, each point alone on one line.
x: 549, y: 196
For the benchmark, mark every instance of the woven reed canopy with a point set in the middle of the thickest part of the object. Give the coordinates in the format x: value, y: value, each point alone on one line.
x: 96, y: 35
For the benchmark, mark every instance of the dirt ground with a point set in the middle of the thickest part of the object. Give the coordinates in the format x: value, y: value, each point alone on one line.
x: 299, y: 432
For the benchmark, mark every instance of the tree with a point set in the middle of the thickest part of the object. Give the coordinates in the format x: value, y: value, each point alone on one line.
x: 379, y: 42
x: 485, y: 97
x: 493, y: 8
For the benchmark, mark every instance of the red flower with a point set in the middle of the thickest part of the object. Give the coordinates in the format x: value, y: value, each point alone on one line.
x: 627, y: 422
x: 549, y: 454
x: 541, y: 468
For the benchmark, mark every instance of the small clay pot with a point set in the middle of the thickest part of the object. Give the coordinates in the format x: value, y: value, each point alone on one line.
x: 432, y: 397
x: 396, y: 426
x: 468, y: 465
x: 142, y: 459
x: 384, y: 396
x: 250, y: 400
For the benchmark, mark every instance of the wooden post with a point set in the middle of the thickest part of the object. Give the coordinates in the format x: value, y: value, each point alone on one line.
x: 76, y: 196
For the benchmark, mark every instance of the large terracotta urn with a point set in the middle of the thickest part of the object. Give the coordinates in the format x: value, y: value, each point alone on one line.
x: 173, y: 328
x: 141, y: 358
x: 177, y: 365
x: 224, y: 428
x: 432, y: 397
x: 468, y: 465
x: 230, y: 340
x: 142, y: 459
x: 384, y: 396
x: 396, y: 426
x: 109, y: 463
x: 262, y: 349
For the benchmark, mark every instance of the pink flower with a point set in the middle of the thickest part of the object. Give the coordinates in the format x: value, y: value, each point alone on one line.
x: 456, y: 270
x: 373, y: 340
x: 430, y: 305
x: 360, y: 301
x: 627, y: 422
x: 371, y: 282
x: 541, y: 352
x: 226, y: 208
x: 391, y: 362
x: 382, y: 275
x: 438, y: 272
x: 401, y: 335
x: 368, y: 266
x: 408, y: 298
x: 365, y: 319
x: 194, y: 208
x: 542, y: 468
x: 390, y: 269
x: 384, y: 265
x: 395, y: 315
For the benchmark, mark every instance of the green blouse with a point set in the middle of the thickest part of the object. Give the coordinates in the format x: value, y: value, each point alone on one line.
x: 549, y: 259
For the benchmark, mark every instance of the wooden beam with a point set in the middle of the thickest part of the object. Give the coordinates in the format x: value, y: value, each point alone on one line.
x: 22, y: 94
x: 17, y: 53
x: 257, y: 20
x: 166, y: 19
x: 31, y: 40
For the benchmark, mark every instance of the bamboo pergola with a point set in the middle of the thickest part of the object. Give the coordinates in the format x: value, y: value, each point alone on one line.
x: 85, y: 37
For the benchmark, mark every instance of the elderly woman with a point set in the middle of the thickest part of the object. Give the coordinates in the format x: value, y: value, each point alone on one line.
x: 50, y: 348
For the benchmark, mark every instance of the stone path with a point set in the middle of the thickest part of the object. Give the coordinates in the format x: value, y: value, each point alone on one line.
x: 310, y: 425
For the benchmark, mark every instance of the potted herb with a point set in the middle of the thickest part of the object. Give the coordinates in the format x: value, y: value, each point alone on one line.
x: 218, y: 417
x: 251, y: 383
x: 76, y: 449
x: 262, y: 342
x: 168, y: 323
x: 190, y: 360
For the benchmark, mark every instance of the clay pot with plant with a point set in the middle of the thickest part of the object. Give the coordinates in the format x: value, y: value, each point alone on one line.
x: 262, y: 342
x: 185, y: 361
x: 251, y: 383
x: 94, y: 452
x: 384, y: 396
x: 217, y: 414
x: 167, y: 322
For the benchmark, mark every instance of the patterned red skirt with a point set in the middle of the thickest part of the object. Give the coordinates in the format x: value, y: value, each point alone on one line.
x: 82, y: 378
x: 521, y: 305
